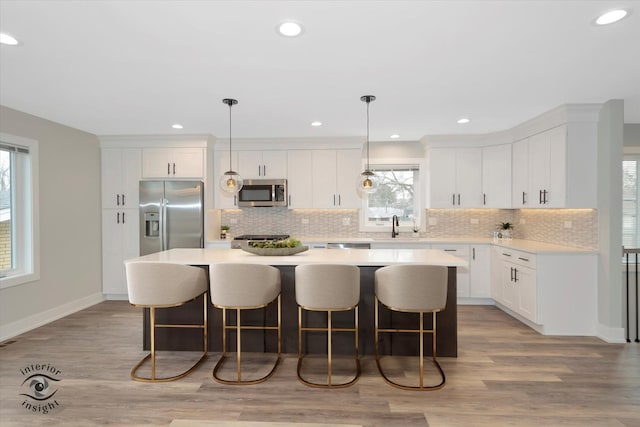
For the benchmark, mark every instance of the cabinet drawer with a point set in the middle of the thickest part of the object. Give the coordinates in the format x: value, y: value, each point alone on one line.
x: 461, y: 251
x: 520, y: 258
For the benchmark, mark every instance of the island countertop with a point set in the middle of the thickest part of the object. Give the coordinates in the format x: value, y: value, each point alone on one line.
x: 359, y: 257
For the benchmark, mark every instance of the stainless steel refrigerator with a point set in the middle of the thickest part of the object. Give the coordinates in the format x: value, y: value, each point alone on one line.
x: 171, y: 215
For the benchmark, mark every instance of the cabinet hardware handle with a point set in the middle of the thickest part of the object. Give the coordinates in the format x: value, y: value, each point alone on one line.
x: 484, y: 198
x: 523, y: 259
x: 540, y: 197
x: 264, y: 170
x: 449, y: 250
x: 453, y: 199
x: 174, y: 168
x: 511, y: 280
x: 118, y: 218
x: 473, y: 251
x: 235, y: 200
x: 523, y: 199
x: 259, y: 171
x: 544, y: 198
x: 289, y: 199
x: 168, y: 168
x: 339, y: 200
x: 123, y: 200
x: 515, y: 274
x: 123, y: 217
x: 506, y: 254
x: 458, y: 199
x: 117, y: 200
x: 334, y: 200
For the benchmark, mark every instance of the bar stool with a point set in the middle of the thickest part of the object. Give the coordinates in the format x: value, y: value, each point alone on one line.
x: 243, y: 287
x: 327, y: 287
x: 156, y: 285
x: 416, y: 289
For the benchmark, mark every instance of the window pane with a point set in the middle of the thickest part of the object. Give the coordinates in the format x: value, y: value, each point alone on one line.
x: 395, y: 196
x: 630, y: 207
x: 6, y: 233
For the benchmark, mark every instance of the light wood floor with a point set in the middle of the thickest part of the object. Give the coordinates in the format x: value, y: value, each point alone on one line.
x: 506, y: 375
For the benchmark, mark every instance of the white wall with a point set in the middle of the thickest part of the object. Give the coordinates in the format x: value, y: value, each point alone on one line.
x: 632, y: 134
x: 69, y: 209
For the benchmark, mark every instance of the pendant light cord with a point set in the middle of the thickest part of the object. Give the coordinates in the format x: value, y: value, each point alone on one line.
x: 231, y: 103
x: 368, y: 134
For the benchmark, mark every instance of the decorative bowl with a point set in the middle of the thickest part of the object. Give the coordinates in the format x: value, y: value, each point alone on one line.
x: 273, y: 251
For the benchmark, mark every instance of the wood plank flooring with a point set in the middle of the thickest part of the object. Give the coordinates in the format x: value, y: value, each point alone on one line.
x: 506, y: 375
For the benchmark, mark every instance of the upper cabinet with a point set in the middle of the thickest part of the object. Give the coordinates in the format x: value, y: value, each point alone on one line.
x: 120, y: 176
x: 520, y: 191
x: 547, y: 168
x: 173, y: 163
x: 299, y: 181
x: 456, y: 177
x: 262, y: 164
x: 334, y: 174
x: 496, y: 176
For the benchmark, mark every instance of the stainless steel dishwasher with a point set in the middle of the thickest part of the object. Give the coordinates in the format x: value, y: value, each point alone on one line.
x: 348, y: 245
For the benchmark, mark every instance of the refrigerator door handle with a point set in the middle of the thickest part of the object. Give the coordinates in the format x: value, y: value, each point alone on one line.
x: 163, y: 223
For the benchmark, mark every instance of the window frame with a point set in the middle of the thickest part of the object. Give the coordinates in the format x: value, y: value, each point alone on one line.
x: 27, y: 224
x: 419, y: 185
x: 633, y: 155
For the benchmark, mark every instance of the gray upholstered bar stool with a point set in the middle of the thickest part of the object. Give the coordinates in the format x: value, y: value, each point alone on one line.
x: 244, y: 287
x: 156, y: 285
x: 411, y: 288
x: 327, y: 287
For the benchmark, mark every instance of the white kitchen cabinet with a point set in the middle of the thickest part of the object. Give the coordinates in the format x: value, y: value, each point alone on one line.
x: 455, y: 177
x: 224, y: 200
x: 299, y: 179
x: 334, y: 175
x: 547, y: 168
x: 521, y: 193
x: 462, y: 273
x: 173, y: 163
x: 262, y: 164
x: 496, y: 176
x: 120, y: 241
x: 120, y: 177
x: 517, y: 277
x: 480, y: 271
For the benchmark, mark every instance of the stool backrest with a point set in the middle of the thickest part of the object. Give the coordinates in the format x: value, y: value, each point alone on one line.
x: 163, y: 284
x: 412, y: 287
x: 327, y: 286
x: 243, y: 285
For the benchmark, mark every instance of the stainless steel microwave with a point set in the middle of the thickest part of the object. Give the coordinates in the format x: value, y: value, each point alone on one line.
x: 263, y: 192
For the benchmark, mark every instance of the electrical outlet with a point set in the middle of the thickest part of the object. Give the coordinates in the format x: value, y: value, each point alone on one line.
x: 432, y: 221
x: 568, y: 224
x: 475, y: 221
x: 305, y: 221
x: 346, y: 221
x: 233, y: 220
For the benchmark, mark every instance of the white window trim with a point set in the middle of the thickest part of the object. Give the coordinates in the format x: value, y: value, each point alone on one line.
x: 32, y: 234
x: 421, y: 185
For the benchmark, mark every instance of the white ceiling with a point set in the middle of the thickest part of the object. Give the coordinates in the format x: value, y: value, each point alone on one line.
x: 138, y: 66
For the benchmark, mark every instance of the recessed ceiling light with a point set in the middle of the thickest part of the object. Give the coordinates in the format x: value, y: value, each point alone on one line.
x: 611, y: 16
x: 289, y: 29
x: 316, y: 123
x: 8, y: 40
x: 177, y: 126
x: 463, y: 121
x: 394, y: 136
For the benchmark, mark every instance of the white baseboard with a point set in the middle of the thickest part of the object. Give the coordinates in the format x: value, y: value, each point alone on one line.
x: 116, y: 297
x: 475, y: 301
x: 610, y: 335
x: 34, y: 321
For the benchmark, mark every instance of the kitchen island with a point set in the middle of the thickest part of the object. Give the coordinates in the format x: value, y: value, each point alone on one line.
x: 368, y: 260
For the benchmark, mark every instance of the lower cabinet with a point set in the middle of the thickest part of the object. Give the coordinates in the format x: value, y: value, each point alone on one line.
x: 120, y: 241
x: 463, y: 274
x: 480, y: 271
x: 515, y: 282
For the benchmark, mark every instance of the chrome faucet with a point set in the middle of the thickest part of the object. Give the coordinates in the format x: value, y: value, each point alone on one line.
x: 395, y: 223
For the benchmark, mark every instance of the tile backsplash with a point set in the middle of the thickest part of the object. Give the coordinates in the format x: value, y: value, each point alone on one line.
x: 569, y: 227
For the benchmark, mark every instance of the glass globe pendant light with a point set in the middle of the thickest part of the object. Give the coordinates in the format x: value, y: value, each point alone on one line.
x: 230, y: 181
x: 366, y: 181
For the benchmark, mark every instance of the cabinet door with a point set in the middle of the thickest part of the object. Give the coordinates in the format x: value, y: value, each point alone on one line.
x: 497, y: 275
x: 120, y: 177
x: 348, y: 167
x: 496, y: 176
x: 479, y: 266
x: 520, y: 197
x: 156, y: 162
x: 299, y: 181
x: 323, y: 172
x: 250, y: 164
x: 462, y: 273
x: 509, y: 287
x: 469, y: 177
x: 188, y: 162
x: 442, y: 182
x: 557, y: 140
x: 525, y: 280
x: 274, y: 165
x: 120, y: 241
x: 539, y: 168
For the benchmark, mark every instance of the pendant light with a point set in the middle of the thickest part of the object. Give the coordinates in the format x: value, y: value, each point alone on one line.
x: 230, y: 181
x: 366, y: 181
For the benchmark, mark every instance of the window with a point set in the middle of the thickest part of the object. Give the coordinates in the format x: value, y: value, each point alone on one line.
x: 398, y: 194
x: 18, y: 219
x: 630, y: 201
